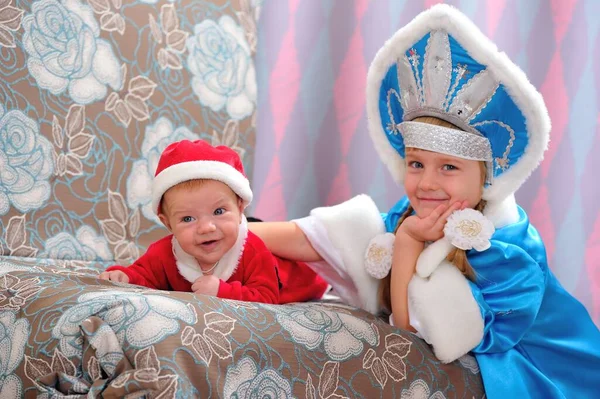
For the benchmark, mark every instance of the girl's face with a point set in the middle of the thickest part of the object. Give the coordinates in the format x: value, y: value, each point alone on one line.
x: 433, y: 179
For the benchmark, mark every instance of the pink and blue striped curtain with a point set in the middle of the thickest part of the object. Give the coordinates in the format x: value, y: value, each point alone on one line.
x: 313, y: 148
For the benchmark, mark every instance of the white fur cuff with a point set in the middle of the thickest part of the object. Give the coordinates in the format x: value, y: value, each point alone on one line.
x: 448, y: 316
x: 350, y: 226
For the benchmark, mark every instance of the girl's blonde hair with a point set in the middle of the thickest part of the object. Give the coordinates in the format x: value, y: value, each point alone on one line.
x: 457, y: 257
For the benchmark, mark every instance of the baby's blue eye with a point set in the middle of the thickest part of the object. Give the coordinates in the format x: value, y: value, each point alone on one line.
x: 449, y: 167
x: 415, y: 164
x: 186, y: 219
x: 219, y: 211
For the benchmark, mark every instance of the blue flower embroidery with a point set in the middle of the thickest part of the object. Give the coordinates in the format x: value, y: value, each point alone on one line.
x: 66, y: 52
x: 26, y: 163
x: 224, y: 74
x: 243, y: 381
x: 141, y: 320
x: 13, y: 337
x: 139, y: 183
x: 86, y: 245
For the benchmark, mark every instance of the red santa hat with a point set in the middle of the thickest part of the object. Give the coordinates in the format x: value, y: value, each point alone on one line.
x: 189, y: 160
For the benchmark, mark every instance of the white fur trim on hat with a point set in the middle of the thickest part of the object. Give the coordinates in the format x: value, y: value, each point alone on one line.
x: 213, y: 170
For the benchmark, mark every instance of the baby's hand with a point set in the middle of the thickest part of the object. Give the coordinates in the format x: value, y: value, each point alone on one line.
x: 430, y: 228
x: 115, y: 275
x: 207, y: 285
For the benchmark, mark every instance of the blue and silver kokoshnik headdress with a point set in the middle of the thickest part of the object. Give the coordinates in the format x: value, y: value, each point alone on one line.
x: 441, y: 65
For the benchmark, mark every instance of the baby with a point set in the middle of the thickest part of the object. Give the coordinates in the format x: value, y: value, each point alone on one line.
x: 199, y: 193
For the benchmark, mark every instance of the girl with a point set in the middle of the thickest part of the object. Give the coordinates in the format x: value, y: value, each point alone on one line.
x: 461, y: 126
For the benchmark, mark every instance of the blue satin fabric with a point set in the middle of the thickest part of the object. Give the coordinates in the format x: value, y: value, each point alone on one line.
x: 539, y: 341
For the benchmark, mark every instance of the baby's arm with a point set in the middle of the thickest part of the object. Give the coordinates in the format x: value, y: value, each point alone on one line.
x: 333, y: 241
x: 146, y: 271
x: 114, y: 275
x: 286, y: 240
x: 260, y: 282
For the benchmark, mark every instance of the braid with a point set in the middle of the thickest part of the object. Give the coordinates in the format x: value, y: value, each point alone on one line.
x: 458, y: 257
x: 385, y: 295
x: 406, y: 214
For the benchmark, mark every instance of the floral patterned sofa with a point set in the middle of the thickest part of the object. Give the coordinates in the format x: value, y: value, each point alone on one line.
x: 91, y: 92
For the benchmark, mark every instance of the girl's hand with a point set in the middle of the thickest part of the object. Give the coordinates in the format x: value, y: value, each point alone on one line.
x: 115, y: 275
x: 206, y: 285
x: 430, y: 228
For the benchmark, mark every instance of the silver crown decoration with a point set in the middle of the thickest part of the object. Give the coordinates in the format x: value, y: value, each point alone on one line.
x: 434, y: 95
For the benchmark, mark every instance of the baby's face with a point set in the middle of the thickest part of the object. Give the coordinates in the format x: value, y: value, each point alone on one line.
x: 204, y: 218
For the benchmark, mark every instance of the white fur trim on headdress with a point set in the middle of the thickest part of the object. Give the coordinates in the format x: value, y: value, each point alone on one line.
x: 523, y: 93
x: 188, y: 265
x: 192, y: 170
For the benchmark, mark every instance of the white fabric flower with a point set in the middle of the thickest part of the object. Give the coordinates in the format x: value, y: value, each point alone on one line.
x: 26, y: 163
x: 469, y: 229
x: 378, y: 256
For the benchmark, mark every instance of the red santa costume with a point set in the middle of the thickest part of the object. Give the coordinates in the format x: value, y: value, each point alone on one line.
x: 248, y: 271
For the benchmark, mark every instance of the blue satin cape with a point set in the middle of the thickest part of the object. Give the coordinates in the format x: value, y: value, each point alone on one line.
x: 539, y: 341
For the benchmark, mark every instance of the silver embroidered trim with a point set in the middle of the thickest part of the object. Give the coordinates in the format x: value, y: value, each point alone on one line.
x: 474, y: 95
x: 461, y: 70
x: 392, y: 126
x: 408, y: 84
x: 502, y: 163
x: 414, y: 62
x: 446, y: 141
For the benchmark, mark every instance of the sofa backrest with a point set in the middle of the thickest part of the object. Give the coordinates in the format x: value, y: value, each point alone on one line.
x: 92, y: 91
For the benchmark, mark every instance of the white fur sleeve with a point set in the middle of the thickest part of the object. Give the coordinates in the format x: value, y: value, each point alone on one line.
x: 448, y: 316
x: 341, y: 234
